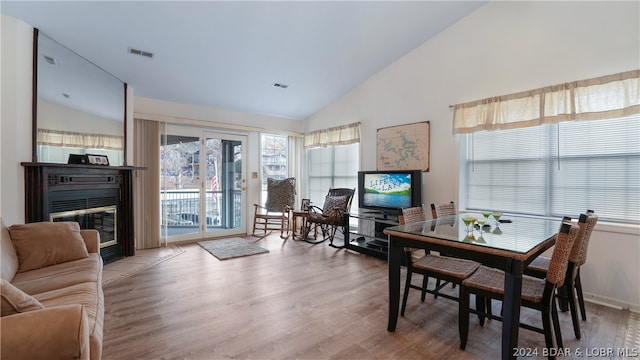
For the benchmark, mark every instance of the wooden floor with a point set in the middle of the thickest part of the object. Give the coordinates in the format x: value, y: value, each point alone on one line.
x: 301, y: 301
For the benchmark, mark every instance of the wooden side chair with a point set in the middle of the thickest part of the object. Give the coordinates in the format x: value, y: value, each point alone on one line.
x: 538, y: 294
x: 274, y: 215
x: 331, y: 216
x: 571, y: 291
x: 449, y: 269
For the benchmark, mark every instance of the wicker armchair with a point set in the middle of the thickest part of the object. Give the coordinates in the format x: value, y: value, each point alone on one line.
x: 537, y: 294
x: 572, y: 288
x: 274, y: 215
x: 439, y: 267
x: 331, y: 216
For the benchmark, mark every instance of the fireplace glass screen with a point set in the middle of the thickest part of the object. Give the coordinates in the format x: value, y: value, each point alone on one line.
x: 102, y: 219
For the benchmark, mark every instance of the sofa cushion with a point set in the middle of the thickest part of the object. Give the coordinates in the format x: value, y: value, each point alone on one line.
x: 15, y: 300
x: 47, y: 243
x: 91, y: 297
x: 87, y: 270
x: 9, y: 260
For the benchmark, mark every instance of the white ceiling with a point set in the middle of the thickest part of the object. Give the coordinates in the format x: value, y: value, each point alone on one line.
x: 228, y: 54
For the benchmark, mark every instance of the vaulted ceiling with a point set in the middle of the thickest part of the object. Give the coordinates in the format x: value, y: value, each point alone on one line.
x: 229, y: 54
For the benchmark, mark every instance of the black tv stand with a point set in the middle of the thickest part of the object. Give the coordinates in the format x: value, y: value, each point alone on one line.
x: 369, y: 238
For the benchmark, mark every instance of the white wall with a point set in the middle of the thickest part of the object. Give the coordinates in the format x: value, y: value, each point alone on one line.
x: 501, y: 48
x: 213, y: 115
x: 15, y: 121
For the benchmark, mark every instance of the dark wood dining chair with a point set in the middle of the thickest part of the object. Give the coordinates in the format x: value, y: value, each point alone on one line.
x: 571, y: 290
x: 538, y: 294
x: 447, y: 269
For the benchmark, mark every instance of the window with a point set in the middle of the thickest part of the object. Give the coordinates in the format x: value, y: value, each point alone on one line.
x: 274, y: 150
x: 556, y: 169
x: 332, y: 167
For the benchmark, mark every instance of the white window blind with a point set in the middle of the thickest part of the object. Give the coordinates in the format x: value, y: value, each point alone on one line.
x: 557, y: 169
x: 332, y: 167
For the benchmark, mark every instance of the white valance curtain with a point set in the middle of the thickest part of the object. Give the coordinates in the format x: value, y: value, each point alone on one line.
x: 79, y: 140
x: 605, y: 97
x: 340, y: 135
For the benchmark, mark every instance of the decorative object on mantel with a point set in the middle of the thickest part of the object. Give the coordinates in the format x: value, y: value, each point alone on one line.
x: 88, y: 159
x: 98, y: 159
x: 77, y: 159
x: 403, y: 147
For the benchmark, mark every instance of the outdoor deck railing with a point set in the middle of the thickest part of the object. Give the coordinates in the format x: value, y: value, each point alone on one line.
x: 181, y: 208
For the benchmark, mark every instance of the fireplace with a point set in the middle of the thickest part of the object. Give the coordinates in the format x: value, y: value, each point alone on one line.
x: 103, y: 219
x: 97, y: 197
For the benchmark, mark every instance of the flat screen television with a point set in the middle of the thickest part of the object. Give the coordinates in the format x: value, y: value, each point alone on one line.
x: 388, y: 191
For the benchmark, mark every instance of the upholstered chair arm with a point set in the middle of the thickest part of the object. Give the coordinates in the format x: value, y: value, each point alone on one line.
x: 91, y: 239
x: 61, y: 332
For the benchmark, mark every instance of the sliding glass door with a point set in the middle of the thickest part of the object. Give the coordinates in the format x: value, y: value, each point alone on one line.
x: 225, y: 195
x: 202, y: 184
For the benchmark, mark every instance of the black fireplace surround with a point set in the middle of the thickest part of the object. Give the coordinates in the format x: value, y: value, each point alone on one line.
x: 80, y: 193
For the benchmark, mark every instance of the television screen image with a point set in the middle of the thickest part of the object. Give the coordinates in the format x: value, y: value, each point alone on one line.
x: 387, y: 190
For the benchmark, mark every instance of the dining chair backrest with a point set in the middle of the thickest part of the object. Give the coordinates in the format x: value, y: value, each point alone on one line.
x: 591, y: 221
x: 443, y: 209
x: 560, y: 258
x: 411, y: 215
x: 576, y: 250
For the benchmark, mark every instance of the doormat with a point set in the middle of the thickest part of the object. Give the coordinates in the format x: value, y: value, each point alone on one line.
x: 231, y: 248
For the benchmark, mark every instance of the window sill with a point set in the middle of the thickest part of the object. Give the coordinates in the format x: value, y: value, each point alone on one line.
x: 618, y: 228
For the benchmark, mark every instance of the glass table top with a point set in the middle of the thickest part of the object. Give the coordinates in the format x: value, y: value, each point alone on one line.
x: 520, y: 235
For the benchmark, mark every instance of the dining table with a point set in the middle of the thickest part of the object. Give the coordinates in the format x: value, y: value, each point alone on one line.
x: 509, y: 244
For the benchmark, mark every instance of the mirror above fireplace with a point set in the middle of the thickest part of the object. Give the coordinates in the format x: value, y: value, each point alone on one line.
x: 79, y: 109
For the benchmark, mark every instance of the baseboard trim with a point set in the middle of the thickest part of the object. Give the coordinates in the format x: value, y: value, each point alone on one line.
x: 612, y: 303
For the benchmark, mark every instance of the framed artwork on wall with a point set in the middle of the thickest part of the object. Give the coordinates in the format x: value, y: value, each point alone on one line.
x: 403, y: 147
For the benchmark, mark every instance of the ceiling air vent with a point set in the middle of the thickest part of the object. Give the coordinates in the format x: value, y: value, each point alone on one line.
x: 140, y: 52
x: 281, y: 86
